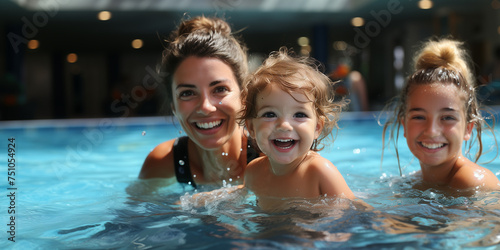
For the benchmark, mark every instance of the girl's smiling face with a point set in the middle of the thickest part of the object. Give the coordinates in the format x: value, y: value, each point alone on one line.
x: 206, y: 100
x: 435, y: 124
x: 285, y: 127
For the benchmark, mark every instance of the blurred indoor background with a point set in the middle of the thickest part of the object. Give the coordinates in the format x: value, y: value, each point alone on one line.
x: 97, y: 58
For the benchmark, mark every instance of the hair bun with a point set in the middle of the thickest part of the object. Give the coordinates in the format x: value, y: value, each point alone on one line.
x: 446, y: 54
x: 205, y: 25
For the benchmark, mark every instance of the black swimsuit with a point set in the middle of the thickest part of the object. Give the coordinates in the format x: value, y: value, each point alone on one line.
x: 181, y: 160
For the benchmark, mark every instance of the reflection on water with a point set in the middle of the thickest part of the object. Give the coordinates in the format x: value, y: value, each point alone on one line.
x: 100, y: 204
x: 422, y: 219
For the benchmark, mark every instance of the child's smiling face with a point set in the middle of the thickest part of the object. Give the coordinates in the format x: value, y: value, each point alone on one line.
x: 285, y: 127
x: 435, y: 125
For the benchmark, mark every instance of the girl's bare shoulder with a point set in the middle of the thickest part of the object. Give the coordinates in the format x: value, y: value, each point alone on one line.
x: 471, y: 175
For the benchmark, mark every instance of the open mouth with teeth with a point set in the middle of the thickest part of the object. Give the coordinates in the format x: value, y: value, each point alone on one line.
x: 208, y: 125
x: 432, y: 145
x: 284, y: 143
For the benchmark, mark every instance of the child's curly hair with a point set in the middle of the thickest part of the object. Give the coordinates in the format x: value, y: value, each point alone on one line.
x: 294, y: 74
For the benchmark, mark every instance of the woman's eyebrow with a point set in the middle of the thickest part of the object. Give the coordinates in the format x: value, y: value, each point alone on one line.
x: 185, y: 85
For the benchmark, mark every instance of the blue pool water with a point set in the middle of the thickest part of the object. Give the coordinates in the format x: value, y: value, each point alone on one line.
x: 76, y: 187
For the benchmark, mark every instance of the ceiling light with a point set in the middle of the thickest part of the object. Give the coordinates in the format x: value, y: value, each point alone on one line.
x: 137, y: 43
x: 104, y: 15
x: 357, y: 21
x: 425, y: 4
x: 303, y: 41
x: 72, y: 58
x: 33, y: 44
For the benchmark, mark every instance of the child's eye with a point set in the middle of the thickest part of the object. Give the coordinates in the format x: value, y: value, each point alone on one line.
x: 300, y: 115
x: 269, y: 115
x: 449, y: 118
x: 417, y: 117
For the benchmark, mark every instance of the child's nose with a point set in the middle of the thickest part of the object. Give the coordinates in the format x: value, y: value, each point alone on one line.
x: 284, y: 125
x: 432, y: 127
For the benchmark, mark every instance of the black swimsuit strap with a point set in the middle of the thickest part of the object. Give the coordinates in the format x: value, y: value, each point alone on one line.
x: 252, y: 152
x: 181, y: 161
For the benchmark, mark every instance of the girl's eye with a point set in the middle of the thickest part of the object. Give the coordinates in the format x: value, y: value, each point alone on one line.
x: 449, y: 118
x: 417, y: 117
x: 269, y: 115
x: 300, y: 115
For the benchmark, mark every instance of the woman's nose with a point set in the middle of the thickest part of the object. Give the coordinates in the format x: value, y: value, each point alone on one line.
x: 206, y: 106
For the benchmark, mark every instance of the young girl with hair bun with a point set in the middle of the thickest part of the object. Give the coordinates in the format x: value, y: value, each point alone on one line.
x: 439, y: 111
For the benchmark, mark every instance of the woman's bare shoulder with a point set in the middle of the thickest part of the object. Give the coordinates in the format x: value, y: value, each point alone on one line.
x: 159, y: 162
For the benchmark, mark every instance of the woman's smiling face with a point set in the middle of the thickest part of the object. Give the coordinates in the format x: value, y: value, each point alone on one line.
x: 435, y: 124
x: 206, y: 100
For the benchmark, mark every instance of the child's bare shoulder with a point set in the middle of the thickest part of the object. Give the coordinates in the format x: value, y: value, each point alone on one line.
x: 256, y: 164
x: 319, y: 163
x: 473, y: 175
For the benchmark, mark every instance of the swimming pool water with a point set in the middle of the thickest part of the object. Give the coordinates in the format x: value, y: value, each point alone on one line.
x: 76, y: 187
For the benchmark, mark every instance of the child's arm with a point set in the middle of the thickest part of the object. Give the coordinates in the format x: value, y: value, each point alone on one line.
x: 331, y: 182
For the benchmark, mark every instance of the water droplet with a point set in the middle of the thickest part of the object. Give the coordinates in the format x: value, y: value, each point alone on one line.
x: 143, y: 133
x: 228, y: 169
x: 181, y: 162
x: 194, y: 176
x: 220, y: 103
x: 241, y: 149
x: 230, y: 179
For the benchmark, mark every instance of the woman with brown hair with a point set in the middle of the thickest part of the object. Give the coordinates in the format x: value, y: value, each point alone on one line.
x: 205, y: 66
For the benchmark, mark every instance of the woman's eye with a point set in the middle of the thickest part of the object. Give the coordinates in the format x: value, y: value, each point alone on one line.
x: 221, y: 89
x: 269, y: 115
x: 417, y: 117
x: 449, y: 118
x: 300, y: 115
x: 186, y: 93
